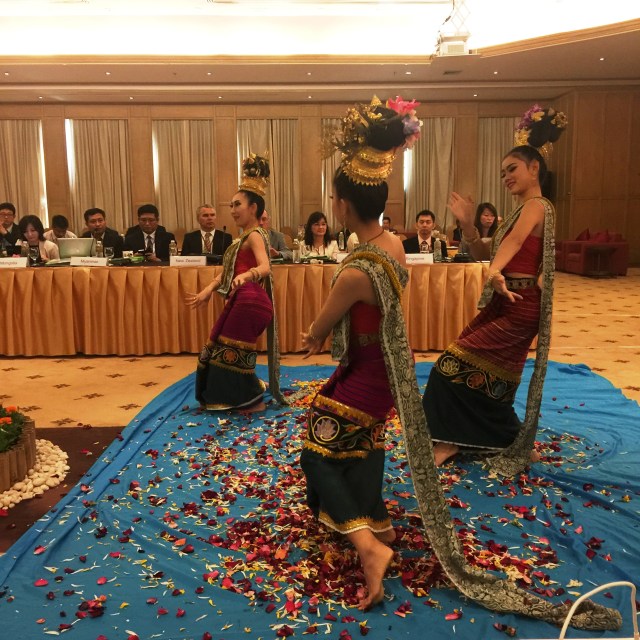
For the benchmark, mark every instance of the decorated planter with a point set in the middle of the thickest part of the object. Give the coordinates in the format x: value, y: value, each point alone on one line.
x: 16, y: 461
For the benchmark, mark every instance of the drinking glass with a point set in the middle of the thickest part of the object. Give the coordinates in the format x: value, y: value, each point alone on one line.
x: 108, y: 254
x: 34, y: 255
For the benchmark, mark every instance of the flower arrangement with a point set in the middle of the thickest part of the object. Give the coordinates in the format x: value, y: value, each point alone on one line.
x: 11, y: 423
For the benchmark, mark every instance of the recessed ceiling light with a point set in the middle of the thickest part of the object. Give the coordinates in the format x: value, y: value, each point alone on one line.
x: 495, y: 73
x: 219, y: 97
x: 130, y: 97
x: 475, y: 95
x: 208, y: 73
x: 6, y: 73
x: 40, y: 98
x: 407, y: 73
x: 107, y: 73
x: 308, y: 73
x: 601, y: 59
x: 309, y: 97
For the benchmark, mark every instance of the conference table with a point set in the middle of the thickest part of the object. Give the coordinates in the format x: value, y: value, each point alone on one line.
x: 140, y: 310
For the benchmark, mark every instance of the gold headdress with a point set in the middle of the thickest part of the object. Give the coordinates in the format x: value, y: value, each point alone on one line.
x: 370, y: 135
x: 255, y: 174
x: 540, y: 127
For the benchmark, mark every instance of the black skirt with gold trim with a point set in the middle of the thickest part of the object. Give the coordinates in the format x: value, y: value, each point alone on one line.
x: 343, y: 461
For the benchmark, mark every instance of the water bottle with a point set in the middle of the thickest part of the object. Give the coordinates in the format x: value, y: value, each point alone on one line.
x: 437, y: 249
x: 341, y: 241
x: 296, y: 251
x: 173, y: 248
x: 99, y: 249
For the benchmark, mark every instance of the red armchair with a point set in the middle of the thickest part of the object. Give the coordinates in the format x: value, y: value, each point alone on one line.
x: 602, y: 255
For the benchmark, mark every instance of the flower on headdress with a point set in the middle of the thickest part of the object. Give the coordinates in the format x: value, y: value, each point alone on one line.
x: 406, y: 109
x: 560, y: 120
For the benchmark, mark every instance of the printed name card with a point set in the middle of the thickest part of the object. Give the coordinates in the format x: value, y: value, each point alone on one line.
x: 87, y: 261
x: 13, y: 263
x: 419, y: 258
x: 340, y: 256
x: 188, y: 261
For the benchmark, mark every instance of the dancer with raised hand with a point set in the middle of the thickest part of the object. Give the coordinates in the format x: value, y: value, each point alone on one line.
x: 469, y: 397
x: 343, y: 453
x: 225, y: 377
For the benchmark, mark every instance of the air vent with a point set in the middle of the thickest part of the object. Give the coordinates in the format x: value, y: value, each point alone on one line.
x: 452, y: 73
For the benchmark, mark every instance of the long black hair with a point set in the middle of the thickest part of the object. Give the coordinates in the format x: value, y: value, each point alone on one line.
x: 35, y: 222
x: 314, y: 217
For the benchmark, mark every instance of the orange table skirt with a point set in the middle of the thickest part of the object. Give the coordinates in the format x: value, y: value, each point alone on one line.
x: 140, y: 310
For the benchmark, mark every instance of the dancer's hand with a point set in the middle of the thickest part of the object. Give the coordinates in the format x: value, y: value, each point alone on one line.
x: 197, y: 300
x: 239, y: 280
x: 462, y: 208
x: 499, y: 285
x: 311, y: 344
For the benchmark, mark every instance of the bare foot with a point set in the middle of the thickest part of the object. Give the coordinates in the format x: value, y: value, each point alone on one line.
x: 387, y: 537
x: 534, y: 456
x: 375, y: 561
x: 442, y: 451
x: 258, y: 406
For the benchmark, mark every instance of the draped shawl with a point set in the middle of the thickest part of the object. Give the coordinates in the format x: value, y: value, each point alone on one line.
x: 389, y: 278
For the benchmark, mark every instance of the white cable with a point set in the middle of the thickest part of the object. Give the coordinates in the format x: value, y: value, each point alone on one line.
x: 634, y: 618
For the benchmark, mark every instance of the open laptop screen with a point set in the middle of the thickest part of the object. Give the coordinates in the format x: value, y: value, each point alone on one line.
x: 75, y: 247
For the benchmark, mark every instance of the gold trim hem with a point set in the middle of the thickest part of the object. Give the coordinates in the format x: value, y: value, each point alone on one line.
x: 481, y: 363
x: 344, y: 411
x: 356, y: 524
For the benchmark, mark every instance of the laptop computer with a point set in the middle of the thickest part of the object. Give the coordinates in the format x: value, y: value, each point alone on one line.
x: 74, y: 247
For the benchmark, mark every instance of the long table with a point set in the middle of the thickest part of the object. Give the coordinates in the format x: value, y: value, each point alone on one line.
x: 59, y: 311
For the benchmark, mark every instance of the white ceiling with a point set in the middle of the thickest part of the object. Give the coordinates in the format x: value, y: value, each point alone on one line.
x: 133, y: 51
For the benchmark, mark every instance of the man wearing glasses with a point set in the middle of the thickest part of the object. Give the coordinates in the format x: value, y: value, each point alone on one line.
x: 9, y: 232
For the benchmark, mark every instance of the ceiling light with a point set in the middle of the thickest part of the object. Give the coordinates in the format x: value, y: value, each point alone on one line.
x: 107, y: 73
x: 475, y: 95
x: 601, y: 59
x: 308, y: 73
x: 309, y: 97
x: 407, y: 73
x: 219, y: 97
x: 6, y: 73
x: 39, y: 97
x: 495, y: 73
x: 130, y: 97
x: 208, y: 73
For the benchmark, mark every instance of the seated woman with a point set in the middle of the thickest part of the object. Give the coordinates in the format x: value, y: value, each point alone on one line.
x: 32, y: 235
x: 317, y: 237
x: 226, y: 376
x: 486, y: 222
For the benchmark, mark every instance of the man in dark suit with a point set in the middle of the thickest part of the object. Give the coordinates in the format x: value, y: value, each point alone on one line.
x: 147, y: 237
x: 207, y: 240
x: 9, y: 232
x: 96, y: 221
x: 425, y: 222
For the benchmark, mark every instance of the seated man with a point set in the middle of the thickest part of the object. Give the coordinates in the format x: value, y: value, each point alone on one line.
x: 278, y: 244
x: 386, y: 225
x: 59, y: 229
x: 96, y: 221
x: 207, y: 239
x: 147, y: 237
x: 425, y: 221
x: 9, y: 231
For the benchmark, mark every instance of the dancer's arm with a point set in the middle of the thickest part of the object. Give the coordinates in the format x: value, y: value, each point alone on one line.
x: 463, y: 210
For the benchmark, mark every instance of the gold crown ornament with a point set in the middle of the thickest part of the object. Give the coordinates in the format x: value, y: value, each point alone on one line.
x: 255, y: 174
x: 371, y: 134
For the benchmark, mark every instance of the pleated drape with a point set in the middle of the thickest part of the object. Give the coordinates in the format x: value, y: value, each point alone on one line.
x: 184, y: 170
x: 99, y: 173
x: 22, y: 179
x: 430, y: 177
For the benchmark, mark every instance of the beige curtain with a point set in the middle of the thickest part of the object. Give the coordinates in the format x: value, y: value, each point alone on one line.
x: 98, y: 152
x: 183, y: 163
x: 329, y: 168
x: 429, y: 173
x: 495, y: 138
x: 279, y: 140
x: 22, y: 179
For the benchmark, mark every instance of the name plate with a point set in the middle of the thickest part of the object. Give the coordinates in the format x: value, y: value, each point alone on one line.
x: 340, y: 256
x: 188, y: 261
x: 88, y: 261
x: 13, y: 263
x: 419, y: 258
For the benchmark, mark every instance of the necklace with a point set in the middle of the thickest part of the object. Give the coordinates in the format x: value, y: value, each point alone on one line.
x: 374, y: 237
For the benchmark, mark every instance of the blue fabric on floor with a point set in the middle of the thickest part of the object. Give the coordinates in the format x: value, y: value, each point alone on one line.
x: 144, y: 526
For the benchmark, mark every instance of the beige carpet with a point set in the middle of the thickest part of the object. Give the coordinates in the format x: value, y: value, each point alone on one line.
x: 596, y: 322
